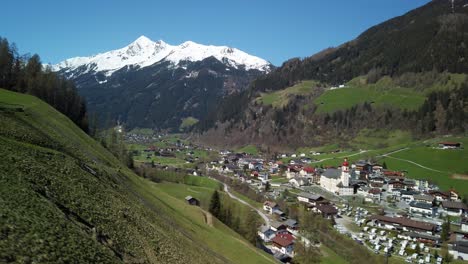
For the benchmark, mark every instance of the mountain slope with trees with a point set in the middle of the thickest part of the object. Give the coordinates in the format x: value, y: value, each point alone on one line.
x: 418, y: 59
x: 25, y: 74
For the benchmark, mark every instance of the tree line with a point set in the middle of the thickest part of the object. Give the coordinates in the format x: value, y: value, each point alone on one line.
x: 26, y: 74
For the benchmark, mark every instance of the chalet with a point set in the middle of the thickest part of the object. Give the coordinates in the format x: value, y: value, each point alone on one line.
x: 459, y: 250
x: 404, y: 223
x: 424, y: 238
x: 363, y: 166
x: 283, y: 243
x: 327, y: 210
x: 266, y: 233
x: 450, y: 195
x: 454, y: 208
x: 449, y: 145
x: 270, y: 206
x: 192, y: 201
x: 312, y: 199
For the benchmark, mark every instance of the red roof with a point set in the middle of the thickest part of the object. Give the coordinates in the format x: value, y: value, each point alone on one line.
x: 374, y: 191
x: 283, y: 240
x: 309, y: 169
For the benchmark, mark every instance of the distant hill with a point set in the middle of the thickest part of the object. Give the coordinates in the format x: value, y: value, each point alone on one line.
x: 402, y: 69
x: 66, y: 199
x: 156, y: 85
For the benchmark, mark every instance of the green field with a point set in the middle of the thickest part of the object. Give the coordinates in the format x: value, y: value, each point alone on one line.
x: 380, y: 94
x: 188, y: 122
x: 66, y: 199
x: 281, y: 98
x: 249, y: 149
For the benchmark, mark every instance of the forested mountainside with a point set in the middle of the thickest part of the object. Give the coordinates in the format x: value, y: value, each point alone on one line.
x: 26, y: 74
x: 408, y: 73
x: 156, y: 85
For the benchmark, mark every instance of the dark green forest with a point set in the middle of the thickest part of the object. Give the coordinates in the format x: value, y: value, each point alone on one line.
x: 26, y: 74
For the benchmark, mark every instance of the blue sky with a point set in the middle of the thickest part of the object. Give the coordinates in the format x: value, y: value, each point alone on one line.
x: 273, y: 30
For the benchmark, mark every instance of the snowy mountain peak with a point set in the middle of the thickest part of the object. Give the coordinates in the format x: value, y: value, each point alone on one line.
x: 144, y: 52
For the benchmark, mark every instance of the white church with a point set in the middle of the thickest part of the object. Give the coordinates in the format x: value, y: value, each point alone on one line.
x: 337, y: 180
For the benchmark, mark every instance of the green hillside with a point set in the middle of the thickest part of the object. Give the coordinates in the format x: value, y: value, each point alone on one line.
x: 282, y: 97
x: 64, y: 198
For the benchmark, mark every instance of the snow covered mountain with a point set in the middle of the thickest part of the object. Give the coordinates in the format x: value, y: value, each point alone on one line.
x: 144, y: 52
x: 156, y: 85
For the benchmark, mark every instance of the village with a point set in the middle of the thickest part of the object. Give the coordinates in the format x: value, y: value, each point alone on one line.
x: 377, y: 207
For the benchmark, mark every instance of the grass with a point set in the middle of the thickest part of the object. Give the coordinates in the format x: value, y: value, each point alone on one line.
x: 330, y: 257
x: 142, y: 131
x: 382, y: 93
x: 188, y: 122
x: 249, y: 149
x: 67, y: 199
x: 377, y: 139
x: 281, y: 98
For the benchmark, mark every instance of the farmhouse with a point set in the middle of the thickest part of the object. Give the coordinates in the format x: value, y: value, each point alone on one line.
x: 192, y: 201
x: 449, y: 145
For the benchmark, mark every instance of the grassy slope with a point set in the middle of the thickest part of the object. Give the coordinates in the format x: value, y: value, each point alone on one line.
x: 381, y: 93
x: 281, y: 98
x: 54, y: 210
x: 249, y: 149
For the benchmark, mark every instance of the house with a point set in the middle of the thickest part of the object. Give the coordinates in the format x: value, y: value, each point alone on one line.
x: 283, y: 243
x: 337, y: 180
x: 293, y: 171
x: 277, y: 226
x: 454, y: 208
x: 403, y: 223
x: 459, y: 250
x: 327, y: 210
x: 299, y: 181
x: 449, y: 145
x: 270, y: 206
x: 408, y: 196
x: 422, y: 208
x: 266, y: 233
x: 311, y: 199
x: 464, y: 225
x: 374, y: 194
x: 423, y: 198
x: 307, y: 171
x: 192, y: 201
x: 291, y: 225
x: 439, y: 195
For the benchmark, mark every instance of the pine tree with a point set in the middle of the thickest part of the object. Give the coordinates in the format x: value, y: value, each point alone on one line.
x: 215, y: 205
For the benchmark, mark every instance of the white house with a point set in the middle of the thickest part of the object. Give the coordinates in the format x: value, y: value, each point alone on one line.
x: 266, y: 234
x: 270, y: 206
x: 454, y: 208
x: 459, y: 250
x: 420, y: 208
x: 283, y: 243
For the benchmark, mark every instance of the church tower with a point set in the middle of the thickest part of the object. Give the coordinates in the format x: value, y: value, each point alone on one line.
x: 345, y: 173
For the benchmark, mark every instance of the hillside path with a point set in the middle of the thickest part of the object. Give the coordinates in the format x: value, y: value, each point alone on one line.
x: 409, y: 161
x: 345, y: 156
x: 262, y: 214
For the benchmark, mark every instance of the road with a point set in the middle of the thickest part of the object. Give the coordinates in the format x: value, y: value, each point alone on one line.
x: 262, y: 214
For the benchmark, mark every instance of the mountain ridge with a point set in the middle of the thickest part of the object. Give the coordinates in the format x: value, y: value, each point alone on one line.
x: 144, y: 52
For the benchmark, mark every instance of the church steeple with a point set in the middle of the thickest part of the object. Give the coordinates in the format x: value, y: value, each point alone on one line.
x: 345, y: 173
